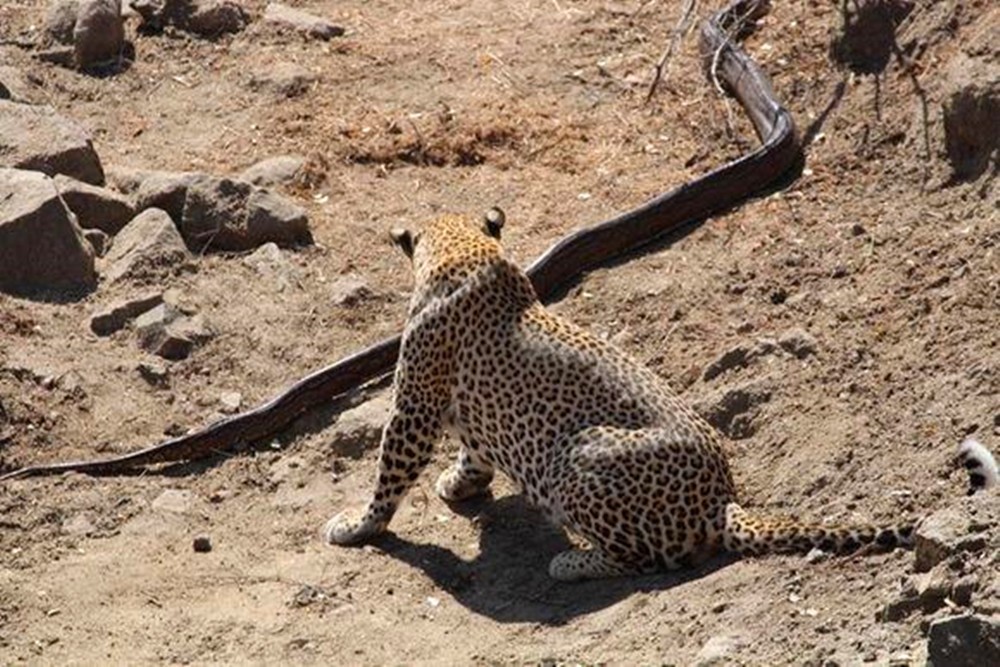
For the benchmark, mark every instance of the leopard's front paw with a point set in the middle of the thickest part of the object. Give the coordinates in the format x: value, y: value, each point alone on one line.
x: 351, y: 527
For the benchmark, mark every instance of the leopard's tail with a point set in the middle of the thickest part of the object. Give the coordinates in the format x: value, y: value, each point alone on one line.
x: 750, y: 533
x: 983, y: 470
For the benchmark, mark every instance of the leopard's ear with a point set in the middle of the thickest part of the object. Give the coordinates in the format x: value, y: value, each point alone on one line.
x: 404, y: 239
x: 493, y: 222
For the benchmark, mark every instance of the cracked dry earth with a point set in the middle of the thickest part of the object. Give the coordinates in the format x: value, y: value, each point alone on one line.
x: 842, y: 331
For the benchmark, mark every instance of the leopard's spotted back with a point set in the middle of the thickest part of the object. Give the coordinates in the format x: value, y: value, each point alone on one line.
x: 594, y: 438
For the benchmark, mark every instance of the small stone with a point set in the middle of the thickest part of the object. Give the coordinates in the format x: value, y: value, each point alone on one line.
x: 284, y: 80
x: 174, y: 501
x: 817, y: 555
x: 738, y: 357
x: 80, y: 524
x: 286, y: 17
x: 971, y: 115
x: 202, y: 544
x: 167, y: 333
x: 151, y: 322
x: 40, y: 139
x: 271, y: 217
x: 230, y: 401
x: 350, y: 290
x: 720, y: 650
x: 937, y: 536
x: 60, y: 19
x: 98, y: 36
x: 210, y: 18
x: 734, y: 410
x: 98, y: 240
x: 274, y: 171
x: 798, y: 343
x: 41, y: 246
x: 94, y: 207
x: 360, y: 428
x: 270, y: 262
x: 166, y: 190
x: 17, y: 86
x: 964, y: 641
x: 155, y: 373
x: 145, y: 247
x: 118, y: 314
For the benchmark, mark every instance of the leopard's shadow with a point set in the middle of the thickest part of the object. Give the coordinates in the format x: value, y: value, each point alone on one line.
x: 508, y: 581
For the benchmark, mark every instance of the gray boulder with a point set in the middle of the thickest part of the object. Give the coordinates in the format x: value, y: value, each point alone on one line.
x: 964, y: 641
x: 285, y: 17
x: 273, y: 171
x: 146, y: 245
x: 224, y: 214
x: 41, y: 246
x: 99, y: 35
x: 40, y: 139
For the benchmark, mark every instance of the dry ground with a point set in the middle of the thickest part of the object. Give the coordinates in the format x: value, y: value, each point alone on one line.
x: 537, y: 106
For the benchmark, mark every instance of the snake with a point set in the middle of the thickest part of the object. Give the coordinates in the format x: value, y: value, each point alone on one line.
x: 779, y: 152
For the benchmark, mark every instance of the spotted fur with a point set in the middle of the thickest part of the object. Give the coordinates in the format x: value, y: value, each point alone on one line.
x: 596, y: 440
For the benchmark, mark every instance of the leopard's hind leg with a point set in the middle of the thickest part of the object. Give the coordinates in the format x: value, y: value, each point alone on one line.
x: 645, y: 499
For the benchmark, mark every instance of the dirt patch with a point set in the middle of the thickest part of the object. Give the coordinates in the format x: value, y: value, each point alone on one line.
x: 883, y: 259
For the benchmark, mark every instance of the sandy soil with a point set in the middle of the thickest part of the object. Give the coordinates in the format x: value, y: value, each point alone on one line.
x: 877, y: 251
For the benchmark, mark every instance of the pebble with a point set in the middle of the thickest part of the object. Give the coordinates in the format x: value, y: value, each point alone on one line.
x: 202, y: 544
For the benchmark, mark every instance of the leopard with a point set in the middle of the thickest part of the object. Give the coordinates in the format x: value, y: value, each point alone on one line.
x: 597, y: 441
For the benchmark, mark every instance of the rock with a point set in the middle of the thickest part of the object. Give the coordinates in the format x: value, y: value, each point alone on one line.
x: 60, y: 20
x: 230, y: 402
x: 971, y: 116
x: 271, y: 217
x: 738, y: 357
x: 360, y: 428
x: 720, y: 650
x: 146, y: 244
x: 286, y: 17
x: 156, y: 374
x: 214, y: 214
x: 283, y: 80
x: 271, y: 264
x: 40, y: 139
x: 80, y: 524
x: 202, y: 544
x: 98, y: 240
x: 99, y: 36
x: 349, y: 290
x: 964, y: 641
x: 940, y: 535
x: 16, y: 85
x: 734, y: 410
x: 127, y: 180
x: 817, y: 555
x: 41, y: 246
x: 798, y: 343
x: 165, y: 190
x: 273, y: 171
x: 210, y: 18
x: 175, y: 501
x: 231, y: 215
x: 95, y: 208
x: 117, y: 315
x: 64, y: 56
x: 167, y: 332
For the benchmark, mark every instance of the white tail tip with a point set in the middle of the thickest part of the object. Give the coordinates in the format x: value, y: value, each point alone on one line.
x: 980, y: 464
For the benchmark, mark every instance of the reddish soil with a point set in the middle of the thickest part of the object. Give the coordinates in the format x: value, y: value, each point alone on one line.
x: 877, y: 251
